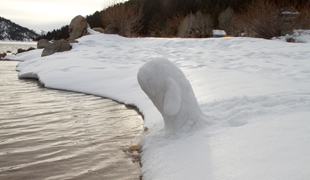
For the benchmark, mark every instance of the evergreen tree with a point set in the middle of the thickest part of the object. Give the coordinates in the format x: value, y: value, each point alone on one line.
x: 62, y: 33
x: 94, y: 20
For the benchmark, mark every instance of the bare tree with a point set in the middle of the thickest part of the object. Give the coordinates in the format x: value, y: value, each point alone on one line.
x: 226, y: 20
x: 173, y: 24
x: 124, y: 19
x: 265, y: 18
x: 156, y: 27
x: 168, y: 28
x: 198, y: 25
x: 240, y: 27
x: 302, y: 21
x: 184, y: 27
x: 202, y: 24
x: 176, y: 19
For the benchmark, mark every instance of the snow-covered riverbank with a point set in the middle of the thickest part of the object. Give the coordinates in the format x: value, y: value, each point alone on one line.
x: 255, y: 91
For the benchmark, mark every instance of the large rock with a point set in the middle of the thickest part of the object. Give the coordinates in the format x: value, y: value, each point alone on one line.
x: 43, y: 43
x: 64, y: 46
x: 57, y: 46
x: 20, y: 50
x: 77, y: 27
x: 31, y: 48
x: 2, y: 55
x: 98, y: 29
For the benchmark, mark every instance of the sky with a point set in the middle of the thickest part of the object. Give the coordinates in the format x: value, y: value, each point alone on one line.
x: 47, y: 14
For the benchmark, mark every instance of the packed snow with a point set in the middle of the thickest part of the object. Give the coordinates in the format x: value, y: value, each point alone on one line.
x: 254, y: 93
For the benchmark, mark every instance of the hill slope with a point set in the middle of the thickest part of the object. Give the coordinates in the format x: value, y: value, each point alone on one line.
x: 9, y: 31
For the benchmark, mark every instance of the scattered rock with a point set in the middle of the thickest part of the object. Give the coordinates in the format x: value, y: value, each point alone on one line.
x: 78, y: 27
x: 98, y: 29
x: 134, y: 148
x: 51, y: 49
x: 64, y: 46
x: 43, y: 43
x: 2, y: 55
x: 57, y: 46
x: 31, y: 48
x: 20, y: 50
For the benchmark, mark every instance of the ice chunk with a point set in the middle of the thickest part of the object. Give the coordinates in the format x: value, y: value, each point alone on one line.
x: 172, y: 94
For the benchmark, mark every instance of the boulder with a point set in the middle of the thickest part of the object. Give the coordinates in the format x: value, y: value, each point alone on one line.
x: 64, y: 46
x: 98, y: 29
x: 78, y: 27
x: 43, y: 43
x: 20, y: 50
x: 31, y: 48
x: 2, y: 55
x: 57, y: 46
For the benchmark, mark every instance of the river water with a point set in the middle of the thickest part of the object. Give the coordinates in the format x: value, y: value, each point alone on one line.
x: 13, y: 46
x: 52, y: 134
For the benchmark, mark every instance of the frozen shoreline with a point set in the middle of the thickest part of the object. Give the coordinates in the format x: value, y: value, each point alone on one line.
x: 61, y: 135
x: 243, y: 85
x: 15, y: 45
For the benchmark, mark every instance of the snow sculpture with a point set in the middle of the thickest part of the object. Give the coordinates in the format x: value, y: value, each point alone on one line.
x: 172, y: 94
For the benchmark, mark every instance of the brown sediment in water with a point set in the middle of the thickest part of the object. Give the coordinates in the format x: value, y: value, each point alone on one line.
x: 63, y: 135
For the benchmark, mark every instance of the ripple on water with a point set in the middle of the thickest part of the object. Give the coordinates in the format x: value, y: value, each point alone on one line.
x: 51, y: 134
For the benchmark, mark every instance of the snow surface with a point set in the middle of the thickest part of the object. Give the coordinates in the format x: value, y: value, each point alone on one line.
x: 301, y: 36
x: 255, y: 91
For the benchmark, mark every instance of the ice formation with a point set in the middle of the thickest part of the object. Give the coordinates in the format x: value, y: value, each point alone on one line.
x: 172, y: 94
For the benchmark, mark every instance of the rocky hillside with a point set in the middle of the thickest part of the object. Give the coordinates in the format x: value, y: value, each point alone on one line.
x: 9, y: 31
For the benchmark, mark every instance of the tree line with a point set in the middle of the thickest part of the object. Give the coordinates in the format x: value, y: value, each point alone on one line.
x: 197, y: 18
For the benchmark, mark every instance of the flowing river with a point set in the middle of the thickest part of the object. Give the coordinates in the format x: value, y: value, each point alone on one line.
x: 52, y: 134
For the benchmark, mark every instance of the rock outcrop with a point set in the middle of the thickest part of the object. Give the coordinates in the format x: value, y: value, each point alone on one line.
x: 10, y: 31
x: 78, y: 27
x: 20, y: 50
x: 57, y: 46
x: 98, y: 29
x: 2, y: 55
x: 43, y: 43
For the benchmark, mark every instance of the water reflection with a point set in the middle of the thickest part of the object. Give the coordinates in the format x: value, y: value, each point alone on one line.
x: 51, y: 134
x: 14, y: 46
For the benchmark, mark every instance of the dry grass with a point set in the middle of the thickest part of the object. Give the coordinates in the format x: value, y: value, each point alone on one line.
x: 266, y: 19
x: 196, y: 26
